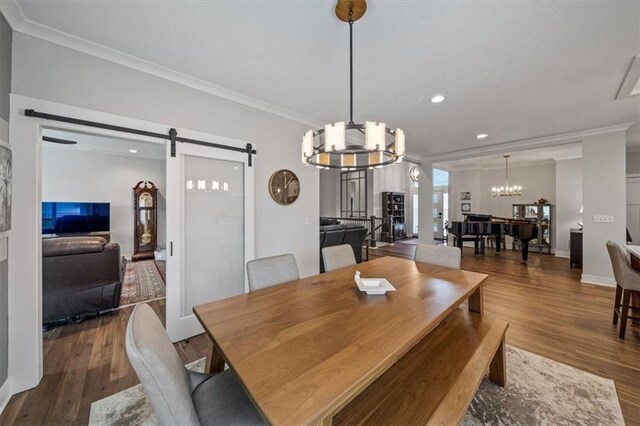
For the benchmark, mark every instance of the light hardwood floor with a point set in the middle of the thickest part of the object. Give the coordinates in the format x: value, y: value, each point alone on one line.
x: 550, y: 314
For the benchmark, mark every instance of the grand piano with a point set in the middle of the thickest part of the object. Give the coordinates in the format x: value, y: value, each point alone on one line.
x: 487, y: 225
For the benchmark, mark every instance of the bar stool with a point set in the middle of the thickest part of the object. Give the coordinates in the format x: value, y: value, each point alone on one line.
x: 627, y: 282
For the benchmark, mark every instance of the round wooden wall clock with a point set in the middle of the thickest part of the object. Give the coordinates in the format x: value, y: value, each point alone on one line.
x: 284, y: 187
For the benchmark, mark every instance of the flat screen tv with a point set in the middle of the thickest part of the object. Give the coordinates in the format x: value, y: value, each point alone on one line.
x: 74, y: 218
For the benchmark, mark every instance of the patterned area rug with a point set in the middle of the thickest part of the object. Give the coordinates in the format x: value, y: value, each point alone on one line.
x: 142, y: 283
x: 539, y: 391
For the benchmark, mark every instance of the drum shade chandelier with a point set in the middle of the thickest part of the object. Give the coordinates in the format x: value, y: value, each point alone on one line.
x: 327, y: 148
x: 506, y: 190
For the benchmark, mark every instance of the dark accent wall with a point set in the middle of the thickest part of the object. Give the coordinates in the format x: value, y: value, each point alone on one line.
x: 5, y: 90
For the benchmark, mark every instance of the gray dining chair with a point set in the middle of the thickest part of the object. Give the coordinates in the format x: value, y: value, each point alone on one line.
x: 627, y: 282
x: 438, y: 255
x: 269, y: 271
x: 338, y: 257
x: 180, y: 396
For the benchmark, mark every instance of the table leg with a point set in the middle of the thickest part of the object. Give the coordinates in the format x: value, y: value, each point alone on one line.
x: 498, y: 366
x: 215, y: 362
x: 475, y: 301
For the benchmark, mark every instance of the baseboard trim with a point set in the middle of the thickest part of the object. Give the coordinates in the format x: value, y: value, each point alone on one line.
x: 598, y: 280
x: 562, y: 254
x: 5, y: 394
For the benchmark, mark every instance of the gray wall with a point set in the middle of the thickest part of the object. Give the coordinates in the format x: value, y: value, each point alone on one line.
x: 568, y: 201
x: 47, y: 71
x: 604, y: 194
x: 330, y: 193
x: 5, y: 68
x: 106, y: 178
x: 5, y: 90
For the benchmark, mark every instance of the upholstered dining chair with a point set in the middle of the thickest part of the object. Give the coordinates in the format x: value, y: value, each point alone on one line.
x: 180, y: 396
x: 438, y: 255
x: 338, y: 257
x: 627, y: 282
x: 269, y: 271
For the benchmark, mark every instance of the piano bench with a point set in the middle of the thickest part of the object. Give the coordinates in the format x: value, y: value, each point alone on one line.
x: 477, y: 240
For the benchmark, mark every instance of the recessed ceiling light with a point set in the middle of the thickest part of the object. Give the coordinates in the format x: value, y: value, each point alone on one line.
x: 437, y: 99
x: 133, y: 151
x: 482, y: 135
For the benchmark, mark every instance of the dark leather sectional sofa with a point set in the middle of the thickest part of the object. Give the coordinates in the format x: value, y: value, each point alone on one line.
x: 81, y: 276
x: 337, y: 234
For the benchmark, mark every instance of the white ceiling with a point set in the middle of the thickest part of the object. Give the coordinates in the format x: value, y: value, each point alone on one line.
x: 106, y: 145
x: 514, y: 70
x: 517, y: 159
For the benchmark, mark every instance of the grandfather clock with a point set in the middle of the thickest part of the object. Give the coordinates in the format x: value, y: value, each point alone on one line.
x: 145, y: 210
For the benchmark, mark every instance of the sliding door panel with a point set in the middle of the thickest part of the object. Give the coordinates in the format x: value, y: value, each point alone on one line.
x: 209, y: 231
x: 213, y: 230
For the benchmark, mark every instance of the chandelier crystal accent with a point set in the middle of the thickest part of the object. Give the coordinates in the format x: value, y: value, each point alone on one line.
x: 330, y: 147
x: 506, y: 190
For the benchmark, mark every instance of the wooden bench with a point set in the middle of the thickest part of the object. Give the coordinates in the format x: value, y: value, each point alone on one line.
x: 436, y: 380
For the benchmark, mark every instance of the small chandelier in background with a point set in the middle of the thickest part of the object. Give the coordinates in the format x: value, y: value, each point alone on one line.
x: 506, y: 190
x: 327, y: 148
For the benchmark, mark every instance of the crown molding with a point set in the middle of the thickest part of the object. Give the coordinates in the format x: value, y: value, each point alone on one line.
x: 413, y: 158
x: 524, y: 144
x: 19, y: 23
x: 12, y: 13
x: 482, y: 168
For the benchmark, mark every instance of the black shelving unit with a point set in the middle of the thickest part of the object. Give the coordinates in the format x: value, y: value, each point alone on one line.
x: 542, y: 214
x: 393, y: 207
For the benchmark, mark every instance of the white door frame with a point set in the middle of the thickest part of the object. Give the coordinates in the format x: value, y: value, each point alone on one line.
x: 179, y: 327
x: 25, y: 245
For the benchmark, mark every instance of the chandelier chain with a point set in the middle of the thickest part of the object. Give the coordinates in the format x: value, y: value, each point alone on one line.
x: 351, y: 66
x: 333, y: 150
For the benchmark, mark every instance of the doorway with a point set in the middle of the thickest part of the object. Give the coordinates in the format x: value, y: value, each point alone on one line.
x: 353, y: 194
x: 440, y: 204
x: 88, y: 202
x: 25, y: 270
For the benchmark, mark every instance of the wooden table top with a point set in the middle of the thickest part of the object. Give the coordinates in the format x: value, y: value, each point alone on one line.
x: 304, y: 349
x: 633, y: 249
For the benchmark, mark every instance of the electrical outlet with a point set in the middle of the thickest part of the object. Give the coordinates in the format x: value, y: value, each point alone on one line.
x: 603, y: 218
x: 306, y: 221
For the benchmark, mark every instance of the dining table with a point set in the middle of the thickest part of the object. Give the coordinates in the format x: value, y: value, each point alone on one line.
x: 303, y: 350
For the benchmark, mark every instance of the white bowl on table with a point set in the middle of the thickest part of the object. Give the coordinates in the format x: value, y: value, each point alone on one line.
x: 374, y: 286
